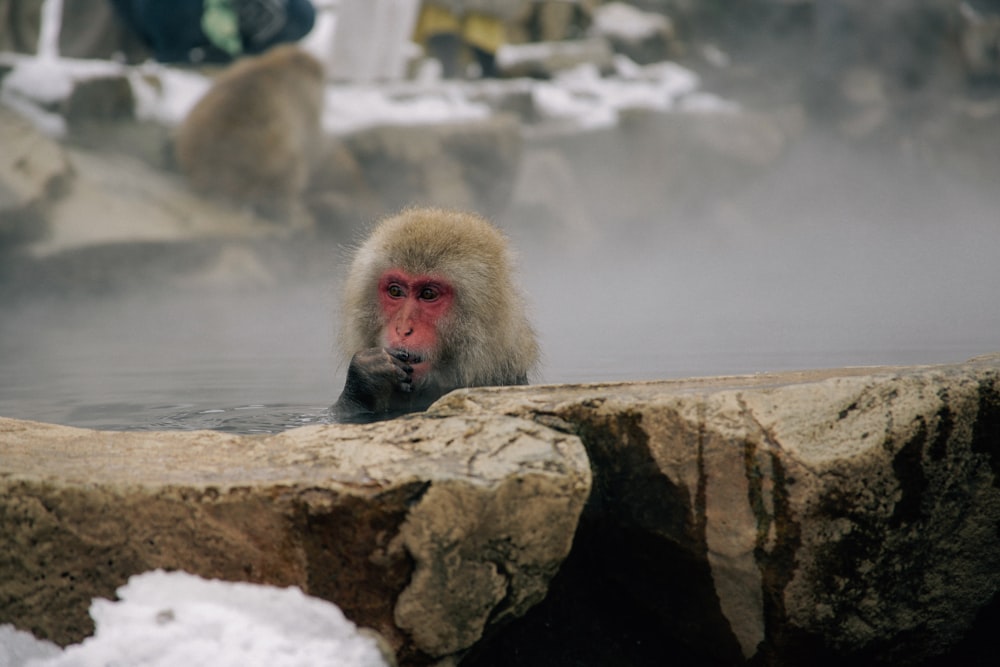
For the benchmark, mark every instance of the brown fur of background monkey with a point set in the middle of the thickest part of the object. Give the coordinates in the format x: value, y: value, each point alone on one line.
x: 254, y: 135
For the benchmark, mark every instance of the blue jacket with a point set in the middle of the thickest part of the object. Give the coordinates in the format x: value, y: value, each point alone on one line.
x: 172, y: 28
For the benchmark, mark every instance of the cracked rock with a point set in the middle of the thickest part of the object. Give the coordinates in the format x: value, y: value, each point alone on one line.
x: 790, y: 519
x: 426, y: 530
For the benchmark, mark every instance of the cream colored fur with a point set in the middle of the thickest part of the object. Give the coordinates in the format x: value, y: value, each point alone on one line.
x: 486, y: 339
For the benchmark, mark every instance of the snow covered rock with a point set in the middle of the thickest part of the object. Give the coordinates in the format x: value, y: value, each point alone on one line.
x: 543, y: 60
x: 645, y: 37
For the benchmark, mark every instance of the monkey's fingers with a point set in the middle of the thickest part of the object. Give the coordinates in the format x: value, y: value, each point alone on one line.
x: 405, y: 355
x: 403, y: 373
x: 404, y: 378
x: 399, y: 365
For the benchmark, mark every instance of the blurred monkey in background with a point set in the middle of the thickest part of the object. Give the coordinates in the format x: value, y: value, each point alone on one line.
x: 255, y: 135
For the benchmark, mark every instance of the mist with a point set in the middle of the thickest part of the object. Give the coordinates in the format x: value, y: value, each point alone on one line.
x: 838, y: 253
x: 836, y: 258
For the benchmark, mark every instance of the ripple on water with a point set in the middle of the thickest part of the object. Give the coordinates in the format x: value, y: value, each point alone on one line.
x: 241, y: 419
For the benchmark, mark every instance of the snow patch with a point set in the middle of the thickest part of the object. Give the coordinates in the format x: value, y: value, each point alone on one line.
x: 617, y: 19
x: 164, y: 619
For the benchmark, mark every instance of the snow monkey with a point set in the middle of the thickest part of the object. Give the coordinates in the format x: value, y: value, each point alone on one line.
x: 430, y: 306
x: 254, y: 135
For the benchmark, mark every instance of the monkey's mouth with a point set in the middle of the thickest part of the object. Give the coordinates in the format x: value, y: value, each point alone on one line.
x: 420, y: 370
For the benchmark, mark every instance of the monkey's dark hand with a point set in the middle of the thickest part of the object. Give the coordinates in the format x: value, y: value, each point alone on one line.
x: 377, y: 382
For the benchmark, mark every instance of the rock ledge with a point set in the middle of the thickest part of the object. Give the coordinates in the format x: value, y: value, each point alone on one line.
x: 426, y: 530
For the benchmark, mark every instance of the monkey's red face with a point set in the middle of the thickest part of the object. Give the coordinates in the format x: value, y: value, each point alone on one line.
x: 413, y: 306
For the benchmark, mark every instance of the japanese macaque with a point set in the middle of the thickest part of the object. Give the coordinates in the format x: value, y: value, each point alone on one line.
x: 430, y: 306
x: 255, y: 134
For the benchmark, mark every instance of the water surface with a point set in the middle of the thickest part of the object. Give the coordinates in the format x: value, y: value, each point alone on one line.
x: 831, y: 260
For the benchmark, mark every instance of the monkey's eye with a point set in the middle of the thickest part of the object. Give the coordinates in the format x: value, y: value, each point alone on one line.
x: 395, y: 291
x: 429, y: 294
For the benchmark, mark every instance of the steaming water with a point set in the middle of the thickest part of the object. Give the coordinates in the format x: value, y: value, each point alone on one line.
x: 830, y: 261
x: 833, y: 260
x: 229, y: 361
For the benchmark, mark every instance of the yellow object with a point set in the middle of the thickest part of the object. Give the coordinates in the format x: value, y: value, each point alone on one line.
x: 487, y: 33
x: 435, y: 20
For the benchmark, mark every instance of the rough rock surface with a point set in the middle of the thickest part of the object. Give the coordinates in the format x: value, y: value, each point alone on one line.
x: 784, y: 520
x: 427, y: 530
x: 34, y: 171
x: 135, y: 204
x: 82, y: 216
x: 78, y: 197
x: 468, y: 165
x: 104, y: 98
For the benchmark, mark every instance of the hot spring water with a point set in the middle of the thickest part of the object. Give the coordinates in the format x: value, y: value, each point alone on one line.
x: 828, y: 262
